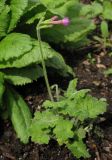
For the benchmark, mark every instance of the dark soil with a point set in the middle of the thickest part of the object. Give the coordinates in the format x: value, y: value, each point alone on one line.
x: 90, y: 74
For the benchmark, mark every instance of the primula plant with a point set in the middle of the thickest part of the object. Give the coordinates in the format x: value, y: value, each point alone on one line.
x: 67, y: 120
x: 25, y: 56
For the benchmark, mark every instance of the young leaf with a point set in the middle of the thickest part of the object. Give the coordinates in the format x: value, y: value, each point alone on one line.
x: 95, y: 106
x: 104, y: 29
x: 41, y: 125
x: 19, y: 114
x: 81, y: 133
x: 84, y: 107
x: 71, y: 88
x: 44, y: 122
x: 63, y: 131
x: 54, y: 105
x: 22, y: 76
x: 38, y: 135
x: 17, y: 10
x: 78, y: 104
x: 78, y: 148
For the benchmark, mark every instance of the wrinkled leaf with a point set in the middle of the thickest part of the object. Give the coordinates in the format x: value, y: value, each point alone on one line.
x: 17, y: 10
x: 20, y: 50
x: 4, y: 21
x: 78, y: 148
x: 14, y: 45
x: 23, y: 76
x: 40, y: 126
x: 63, y: 131
x: 19, y: 114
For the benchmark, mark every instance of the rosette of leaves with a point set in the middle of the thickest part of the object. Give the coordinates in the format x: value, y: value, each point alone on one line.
x: 67, y: 120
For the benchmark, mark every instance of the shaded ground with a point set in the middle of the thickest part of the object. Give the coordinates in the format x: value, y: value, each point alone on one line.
x: 99, y: 141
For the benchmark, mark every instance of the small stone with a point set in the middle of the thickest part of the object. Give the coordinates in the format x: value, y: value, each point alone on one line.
x: 101, y: 66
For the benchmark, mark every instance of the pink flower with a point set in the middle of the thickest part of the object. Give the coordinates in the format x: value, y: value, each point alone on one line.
x: 65, y: 21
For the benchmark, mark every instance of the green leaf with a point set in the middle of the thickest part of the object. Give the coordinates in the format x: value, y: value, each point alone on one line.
x: 32, y: 4
x: 104, y: 29
x: 95, y: 106
x: 45, y: 119
x: 22, y: 76
x: 17, y: 10
x: 84, y: 107
x: 2, y: 87
x: 35, y: 17
x: 53, y: 4
x: 63, y: 131
x: 28, y: 53
x: 107, y: 12
x: 2, y: 3
x: 35, y: 13
x: 78, y: 148
x: 55, y: 105
x: 40, y: 126
x: 14, y: 45
x: 4, y: 20
x: 19, y: 114
x: 2, y: 90
x: 34, y: 55
x: 79, y: 94
x: 91, y: 10
x: 108, y: 71
x: 71, y: 88
x: 78, y: 104
x: 81, y: 133
x: 58, y: 63
x: 38, y: 135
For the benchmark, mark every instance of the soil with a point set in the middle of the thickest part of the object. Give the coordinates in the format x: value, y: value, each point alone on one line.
x: 90, y: 74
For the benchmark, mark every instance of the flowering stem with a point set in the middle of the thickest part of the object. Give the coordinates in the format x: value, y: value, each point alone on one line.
x: 43, y: 62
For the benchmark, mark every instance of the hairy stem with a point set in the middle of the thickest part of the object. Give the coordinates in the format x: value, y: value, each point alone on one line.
x: 43, y: 64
